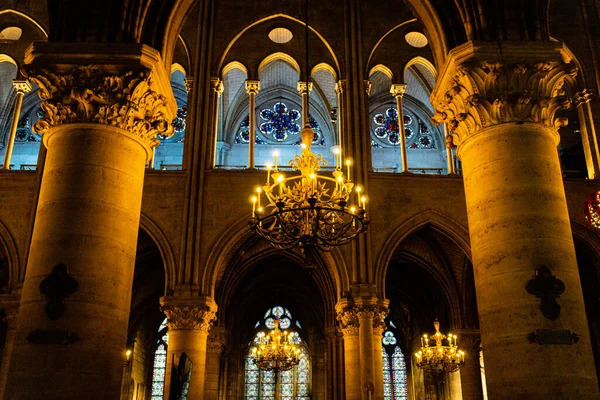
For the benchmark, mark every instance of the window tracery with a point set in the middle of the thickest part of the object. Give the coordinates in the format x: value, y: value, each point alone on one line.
x: 386, y: 130
x: 394, y: 368
x: 160, y: 364
x: 290, y: 385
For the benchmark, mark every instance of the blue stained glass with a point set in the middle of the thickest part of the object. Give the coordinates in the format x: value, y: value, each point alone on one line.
x: 407, y: 120
x: 394, y: 375
x: 387, y: 125
x: 279, y: 121
x: 160, y: 365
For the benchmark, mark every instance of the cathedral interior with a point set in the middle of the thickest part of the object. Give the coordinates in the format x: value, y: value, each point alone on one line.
x: 137, y: 261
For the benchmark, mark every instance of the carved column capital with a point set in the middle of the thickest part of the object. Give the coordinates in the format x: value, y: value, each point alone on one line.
x: 189, y: 83
x: 340, y: 86
x: 477, y: 90
x: 469, y: 340
x: 349, y: 314
x: 582, y: 97
x: 398, y: 90
x: 217, y: 85
x: 92, y: 94
x: 252, y: 87
x: 216, y: 340
x: 189, y: 313
x: 368, y: 86
x: 22, y: 85
x: 303, y: 87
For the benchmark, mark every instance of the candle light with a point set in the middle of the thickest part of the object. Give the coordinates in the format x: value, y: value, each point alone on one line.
x: 337, y: 152
x: 358, y: 190
x: 276, y: 158
x: 313, y: 182
x: 253, y: 200
x: 269, y: 166
x: 258, y: 190
x: 348, y: 164
x: 280, y: 180
x: 364, y: 202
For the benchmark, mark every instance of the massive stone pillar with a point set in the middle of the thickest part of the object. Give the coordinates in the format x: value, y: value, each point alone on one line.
x: 470, y: 373
x: 189, y: 320
x: 357, y: 318
x: 500, y: 110
x: 99, y: 125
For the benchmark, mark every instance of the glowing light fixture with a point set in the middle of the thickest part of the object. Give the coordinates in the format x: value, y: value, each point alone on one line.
x: 440, y: 358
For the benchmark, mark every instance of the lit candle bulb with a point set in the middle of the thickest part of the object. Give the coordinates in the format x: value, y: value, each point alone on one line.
x: 337, y: 154
x: 313, y: 181
x: 364, y: 202
x: 258, y: 190
x: 280, y: 179
x: 253, y: 200
x: 348, y: 164
x: 269, y: 166
x: 358, y: 190
x: 276, y: 157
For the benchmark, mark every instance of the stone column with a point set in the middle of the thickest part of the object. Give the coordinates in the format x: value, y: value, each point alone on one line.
x: 214, y: 348
x: 361, y: 315
x: 189, y: 320
x: 9, y: 305
x: 449, y: 150
x: 21, y: 86
x: 397, y: 90
x: 217, y: 87
x: 340, y: 87
x: 349, y: 325
x: 333, y: 372
x: 378, y: 329
x: 588, y: 132
x: 99, y: 125
x: 470, y: 374
x: 252, y: 88
x: 501, y: 115
x: 304, y: 88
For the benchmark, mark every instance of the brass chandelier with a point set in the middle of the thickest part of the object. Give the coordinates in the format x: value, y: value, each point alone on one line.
x: 440, y: 358
x: 309, y: 210
x: 276, y: 351
x: 591, y: 210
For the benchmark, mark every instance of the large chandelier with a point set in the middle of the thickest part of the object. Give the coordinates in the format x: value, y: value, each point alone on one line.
x: 276, y: 350
x: 591, y: 210
x: 440, y: 358
x: 309, y: 210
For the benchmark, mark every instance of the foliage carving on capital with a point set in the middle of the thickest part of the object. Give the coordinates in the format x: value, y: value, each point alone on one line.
x: 582, y: 97
x: 90, y: 94
x: 348, y: 321
x: 481, y: 94
x: 187, y: 317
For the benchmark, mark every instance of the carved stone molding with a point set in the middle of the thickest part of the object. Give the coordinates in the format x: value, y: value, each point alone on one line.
x: 470, y: 341
x: 348, y: 322
x: 252, y: 87
x: 90, y: 94
x: 189, y: 313
x: 189, y: 83
x: 480, y: 88
x: 217, y: 85
x: 398, y: 90
x: 340, y: 86
x: 302, y: 87
x: 582, y: 97
x: 22, y: 85
x: 216, y: 340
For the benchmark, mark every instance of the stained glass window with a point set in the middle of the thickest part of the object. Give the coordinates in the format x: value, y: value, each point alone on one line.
x: 386, y: 130
x: 291, y: 385
x: 394, y: 369
x: 278, y: 124
x: 160, y: 366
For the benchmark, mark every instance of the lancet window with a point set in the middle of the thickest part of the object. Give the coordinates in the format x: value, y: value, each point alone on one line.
x: 289, y: 385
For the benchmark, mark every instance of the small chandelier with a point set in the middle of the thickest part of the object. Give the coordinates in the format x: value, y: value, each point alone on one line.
x: 591, y: 210
x: 276, y: 351
x: 440, y: 358
x: 309, y: 210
